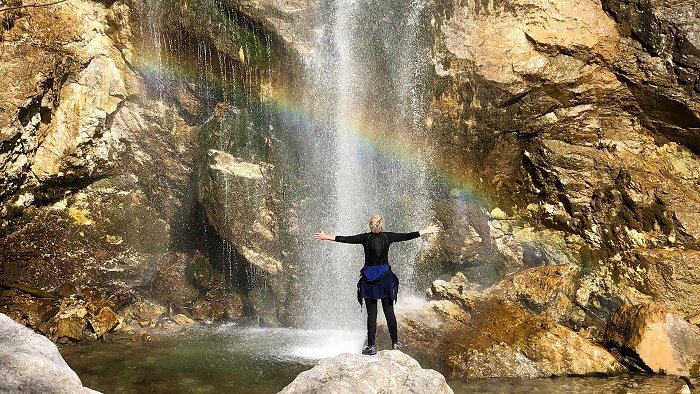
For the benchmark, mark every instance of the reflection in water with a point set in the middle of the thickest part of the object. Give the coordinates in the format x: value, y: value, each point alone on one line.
x: 264, y: 360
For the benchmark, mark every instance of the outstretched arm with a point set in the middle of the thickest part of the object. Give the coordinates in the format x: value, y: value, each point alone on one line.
x: 322, y: 236
x: 347, y: 239
x: 399, y: 237
x: 432, y: 228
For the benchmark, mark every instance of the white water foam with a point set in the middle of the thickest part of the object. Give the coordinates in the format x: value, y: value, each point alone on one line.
x: 291, y: 343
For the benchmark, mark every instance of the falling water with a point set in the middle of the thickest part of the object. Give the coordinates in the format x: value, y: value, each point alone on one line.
x: 364, y: 98
x: 367, y: 74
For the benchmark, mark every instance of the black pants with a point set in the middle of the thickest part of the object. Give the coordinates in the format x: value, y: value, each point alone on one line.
x: 388, y: 308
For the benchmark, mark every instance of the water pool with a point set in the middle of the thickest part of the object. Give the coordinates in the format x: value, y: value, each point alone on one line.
x: 231, y: 359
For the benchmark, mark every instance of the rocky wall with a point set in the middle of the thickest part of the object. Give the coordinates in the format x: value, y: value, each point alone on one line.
x: 98, y: 140
x: 580, y: 124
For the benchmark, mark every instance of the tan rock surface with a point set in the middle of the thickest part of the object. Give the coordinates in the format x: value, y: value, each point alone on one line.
x: 500, y: 339
x: 662, y: 340
x: 547, y: 291
x: 72, y: 327
x: 586, y: 128
x: 182, y: 319
x: 104, y: 321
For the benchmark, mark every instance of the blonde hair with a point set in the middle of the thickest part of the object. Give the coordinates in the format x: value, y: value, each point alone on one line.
x: 376, y: 223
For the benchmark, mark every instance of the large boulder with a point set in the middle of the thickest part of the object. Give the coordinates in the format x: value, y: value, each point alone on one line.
x: 546, y: 290
x: 171, y: 284
x: 660, y: 339
x: 31, y: 363
x: 386, y: 372
x: 240, y: 201
x: 496, y: 338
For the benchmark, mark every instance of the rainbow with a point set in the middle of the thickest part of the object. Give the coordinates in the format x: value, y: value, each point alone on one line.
x: 367, y: 133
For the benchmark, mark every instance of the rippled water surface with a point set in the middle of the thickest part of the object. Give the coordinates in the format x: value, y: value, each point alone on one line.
x: 230, y: 359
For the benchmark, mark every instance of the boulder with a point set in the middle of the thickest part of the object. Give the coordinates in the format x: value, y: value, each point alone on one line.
x: 546, y: 290
x: 72, y: 327
x: 104, y: 321
x: 31, y: 363
x: 144, y: 311
x: 660, y: 339
x: 171, y: 284
x: 240, y: 201
x: 208, y: 310
x: 182, y: 319
x: 388, y: 371
x: 237, y: 196
x: 458, y: 289
x: 496, y: 339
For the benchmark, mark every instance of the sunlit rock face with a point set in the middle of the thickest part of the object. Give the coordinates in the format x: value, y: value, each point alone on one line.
x: 497, y: 338
x: 663, y: 341
x: 583, y: 130
x: 241, y: 203
x: 97, y: 189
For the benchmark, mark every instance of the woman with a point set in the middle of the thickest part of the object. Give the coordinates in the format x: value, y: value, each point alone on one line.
x: 377, y: 282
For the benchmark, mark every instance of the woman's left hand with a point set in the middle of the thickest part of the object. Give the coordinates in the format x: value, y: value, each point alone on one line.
x: 320, y: 235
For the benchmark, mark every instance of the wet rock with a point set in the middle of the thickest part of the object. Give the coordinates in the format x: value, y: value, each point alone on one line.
x: 182, y: 319
x: 235, y: 306
x: 66, y: 289
x: 171, y: 284
x: 104, y: 321
x: 208, y: 310
x: 239, y: 199
x: 497, y: 338
x: 144, y: 311
x: 387, y: 371
x: 286, y: 20
x: 72, y: 327
x: 234, y: 185
x: 661, y: 340
x: 458, y: 289
x: 202, y: 275
x: 30, y: 362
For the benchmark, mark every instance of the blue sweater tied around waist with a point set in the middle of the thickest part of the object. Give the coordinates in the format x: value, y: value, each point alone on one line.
x: 377, y: 282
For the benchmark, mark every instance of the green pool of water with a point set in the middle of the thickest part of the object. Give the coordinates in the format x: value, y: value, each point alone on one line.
x: 230, y: 359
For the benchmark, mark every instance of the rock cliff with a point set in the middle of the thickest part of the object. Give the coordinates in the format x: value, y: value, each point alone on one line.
x: 589, y: 128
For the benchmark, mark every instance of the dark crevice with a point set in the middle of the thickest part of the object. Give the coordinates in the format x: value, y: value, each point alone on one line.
x: 513, y: 100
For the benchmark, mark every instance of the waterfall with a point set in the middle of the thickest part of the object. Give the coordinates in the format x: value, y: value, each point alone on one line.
x: 365, y: 91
